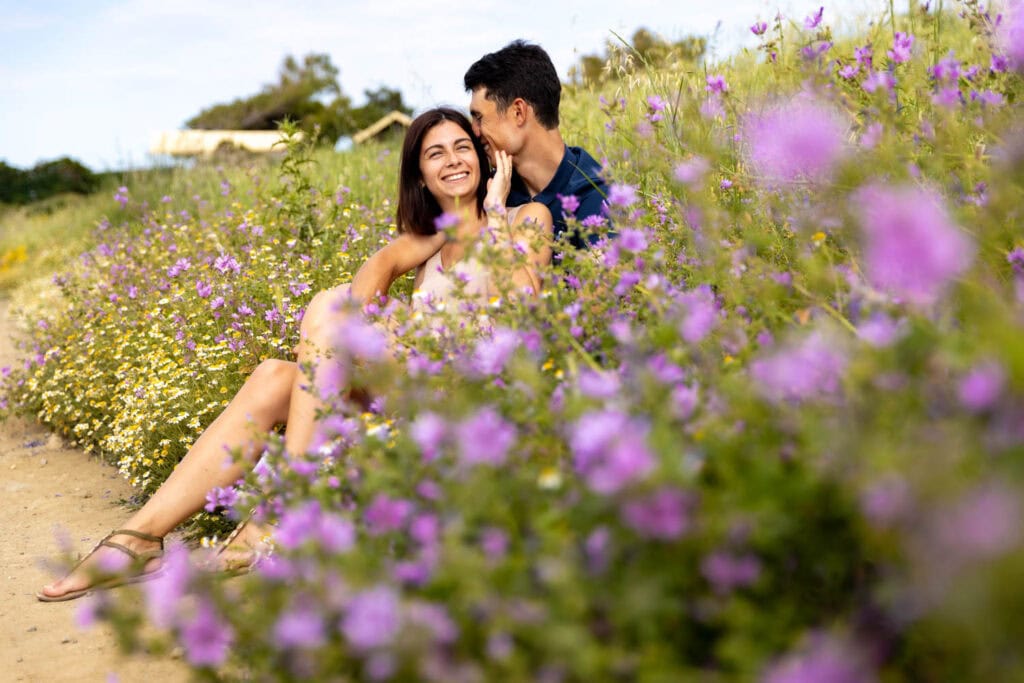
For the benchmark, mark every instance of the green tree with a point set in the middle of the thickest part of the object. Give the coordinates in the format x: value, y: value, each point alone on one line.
x: 308, y: 93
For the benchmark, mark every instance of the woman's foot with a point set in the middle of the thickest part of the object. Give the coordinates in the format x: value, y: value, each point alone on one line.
x: 123, y: 556
x: 242, y: 549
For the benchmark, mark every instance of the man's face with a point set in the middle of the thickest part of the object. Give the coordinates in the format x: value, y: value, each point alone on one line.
x: 495, y: 130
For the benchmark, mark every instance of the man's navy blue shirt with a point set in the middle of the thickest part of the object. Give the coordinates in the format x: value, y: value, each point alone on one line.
x: 578, y: 174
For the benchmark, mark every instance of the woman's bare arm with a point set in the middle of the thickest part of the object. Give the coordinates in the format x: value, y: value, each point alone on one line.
x: 398, y: 257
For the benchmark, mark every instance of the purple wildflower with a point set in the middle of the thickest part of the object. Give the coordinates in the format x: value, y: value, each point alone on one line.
x: 164, y: 593
x: 297, y: 525
x: 360, y: 338
x: 203, y: 289
x: 989, y: 98
x: 445, y: 221
x: 913, y: 249
x: 1010, y: 35
x: 685, y: 400
x: 620, y: 194
x: 330, y: 378
x: 863, y: 55
x: 984, y: 524
x: 206, y: 637
x: 806, y: 370
x: 485, y: 438
x: 494, y: 543
x: 879, y: 330
x: 691, y: 172
x: 758, y: 28
x: 801, y: 139
x: 699, y: 314
x: 812, y: 21
x: 824, y: 659
x: 879, y: 79
x: 947, y: 70
x: 372, y: 619
x: 981, y: 387
x: 948, y: 97
x: 569, y: 204
x: 849, y: 71
x: 491, y: 354
x: 300, y: 627
x: 632, y: 240
x: 885, y: 500
x: 225, y: 263
x: 335, y: 533
x: 610, y: 450
x: 727, y: 572
x: 599, y: 384
x: 901, y: 46
x: 428, y: 431
x: 385, y: 514
x: 664, y: 515
x: 598, y: 549
x: 715, y: 83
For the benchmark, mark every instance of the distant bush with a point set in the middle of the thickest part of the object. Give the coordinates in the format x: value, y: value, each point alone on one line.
x: 45, y: 180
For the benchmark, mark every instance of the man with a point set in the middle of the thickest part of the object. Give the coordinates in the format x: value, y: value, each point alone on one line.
x: 514, y: 107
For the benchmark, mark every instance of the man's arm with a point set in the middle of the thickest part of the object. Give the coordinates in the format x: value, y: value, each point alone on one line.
x: 398, y: 257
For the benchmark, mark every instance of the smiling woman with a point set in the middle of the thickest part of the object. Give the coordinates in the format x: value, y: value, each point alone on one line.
x: 441, y: 180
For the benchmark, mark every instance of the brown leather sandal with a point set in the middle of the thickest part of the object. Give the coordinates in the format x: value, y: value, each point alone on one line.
x: 135, y: 572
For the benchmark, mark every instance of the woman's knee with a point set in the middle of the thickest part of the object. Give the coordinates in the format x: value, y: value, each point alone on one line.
x: 323, y: 310
x: 268, y: 389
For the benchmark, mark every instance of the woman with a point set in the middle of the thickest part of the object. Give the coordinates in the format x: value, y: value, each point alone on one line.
x: 442, y: 172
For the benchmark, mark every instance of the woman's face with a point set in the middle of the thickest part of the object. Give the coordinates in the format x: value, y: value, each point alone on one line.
x: 449, y: 165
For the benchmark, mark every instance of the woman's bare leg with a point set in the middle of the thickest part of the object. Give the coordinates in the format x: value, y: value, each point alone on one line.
x: 321, y: 317
x: 262, y: 402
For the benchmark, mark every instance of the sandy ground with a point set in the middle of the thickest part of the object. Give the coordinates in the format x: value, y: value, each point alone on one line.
x: 45, y: 486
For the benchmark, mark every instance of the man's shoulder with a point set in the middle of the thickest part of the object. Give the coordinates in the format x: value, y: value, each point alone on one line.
x: 586, y: 171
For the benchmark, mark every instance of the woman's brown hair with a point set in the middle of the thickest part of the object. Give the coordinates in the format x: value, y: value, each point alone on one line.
x: 417, y: 208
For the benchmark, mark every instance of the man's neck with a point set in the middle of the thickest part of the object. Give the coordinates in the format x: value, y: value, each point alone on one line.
x: 538, y: 161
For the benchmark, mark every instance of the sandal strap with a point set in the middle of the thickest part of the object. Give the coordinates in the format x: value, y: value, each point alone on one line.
x: 137, y: 534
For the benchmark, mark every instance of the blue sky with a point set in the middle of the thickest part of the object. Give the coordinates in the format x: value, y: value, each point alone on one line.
x: 98, y: 80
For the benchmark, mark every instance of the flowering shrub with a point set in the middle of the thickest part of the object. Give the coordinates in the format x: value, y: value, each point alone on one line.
x: 771, y: 430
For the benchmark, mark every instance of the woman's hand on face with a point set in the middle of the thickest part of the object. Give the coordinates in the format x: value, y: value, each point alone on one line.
x: 499, y: 186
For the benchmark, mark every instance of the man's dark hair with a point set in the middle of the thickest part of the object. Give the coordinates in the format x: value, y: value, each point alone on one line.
x: 519, y: 70
x: 417, y: 208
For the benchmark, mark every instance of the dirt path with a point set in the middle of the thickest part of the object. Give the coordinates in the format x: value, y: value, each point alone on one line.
x: 45, y: 485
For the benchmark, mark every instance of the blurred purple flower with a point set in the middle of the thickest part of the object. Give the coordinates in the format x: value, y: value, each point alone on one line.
x: 947, y: 69
x: 329, y: 378
x: 602, y: 384
x: 727, y: 572
x: 849, y: 71
x: 715, y: 84
x: 300, y: 627
x: 823, y: 659
x: 428, y: 431
x: 610, y: 450
x: 425, y: 529
x: 485, y: 438
x: 203, y: 289
x: 1010, y: 34
x: 206, y: 637
x: 863, y: 55
x: 879, y: 330
x: 598, y: 549
x: 297, y: 525
x: 385, y: 514
x: 225, y: 263
x: 494, y: 543
x: 808, y: 369
x: 983, y: 524
x: 335, y: 533
x: 164, y: 593
x: 799, y: 139
x: 879, y: 79
x: 620, y: 194
x: 445, y: 221
x: 435, y: 619
x: 885, y: 500
x: 699, y: 314
x: 685, y: 400
x: 372, y: 619
x: 758, y: 28
x: 569, y: 204
x: 948, y: 97
x: 491, y: 354
x: 632, y: 240
x: 912, y: 248
x: 663, y: 515
x: 902, y: 43
x: 360, y: 338
x: 812, y: 21
x: 981, y: 387
x: 691, y: 172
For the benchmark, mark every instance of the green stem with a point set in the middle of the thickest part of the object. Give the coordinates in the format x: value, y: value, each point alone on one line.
x: 829, y: 309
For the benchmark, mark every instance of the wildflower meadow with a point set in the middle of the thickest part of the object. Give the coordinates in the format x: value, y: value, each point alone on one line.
x: 772, y: 429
